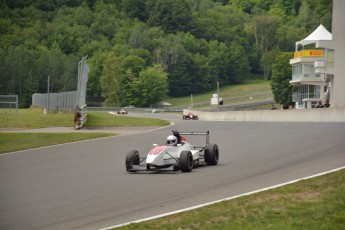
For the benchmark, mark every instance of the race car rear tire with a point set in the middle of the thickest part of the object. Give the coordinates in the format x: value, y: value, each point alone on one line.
x: 132, y: 158
x: 211, y: 154
x: 186, y: 161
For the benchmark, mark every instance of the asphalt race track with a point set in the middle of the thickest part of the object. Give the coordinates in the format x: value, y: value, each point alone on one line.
x: 84, y: 185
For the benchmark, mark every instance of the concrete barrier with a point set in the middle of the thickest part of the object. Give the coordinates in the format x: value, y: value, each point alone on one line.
x: 290, y: 115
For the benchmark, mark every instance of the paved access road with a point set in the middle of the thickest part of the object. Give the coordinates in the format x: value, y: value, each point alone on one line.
x: 85, y: 185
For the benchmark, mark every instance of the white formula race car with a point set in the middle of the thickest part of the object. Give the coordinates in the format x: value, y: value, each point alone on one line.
x: 181, y: 156
x: 190, y: 116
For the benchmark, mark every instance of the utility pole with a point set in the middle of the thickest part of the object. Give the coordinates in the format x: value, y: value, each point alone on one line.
x: 191, y: 101
x: 218, y: 95
x: 48, y: 95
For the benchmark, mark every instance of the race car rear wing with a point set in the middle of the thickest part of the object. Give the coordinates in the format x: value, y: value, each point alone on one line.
x: 207, y: 134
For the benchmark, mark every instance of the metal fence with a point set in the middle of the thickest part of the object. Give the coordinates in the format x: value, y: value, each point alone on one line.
x: 64, y: 101
x: 67, y: 101
x: 9, y: 102
x: 83, y: 76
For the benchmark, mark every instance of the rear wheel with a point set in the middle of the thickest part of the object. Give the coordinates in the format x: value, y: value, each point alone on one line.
x: 186, y: 161
x: 132, y: 158
x: 211, y: 154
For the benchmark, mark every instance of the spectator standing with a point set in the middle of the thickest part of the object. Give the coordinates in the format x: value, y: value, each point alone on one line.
x: 77, y: 117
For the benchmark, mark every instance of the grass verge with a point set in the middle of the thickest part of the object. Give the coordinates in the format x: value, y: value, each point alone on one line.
x: 101, y: 118
x: 34, y: 118
x: 317, y: 203
x: 10, y: 142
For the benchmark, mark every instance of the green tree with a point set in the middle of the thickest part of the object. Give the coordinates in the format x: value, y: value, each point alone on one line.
x: 106, y: 20
x: 120, y: 76
x: 263, y: 29
x: 135, y: 8
x: 133, y: 65
x: 110, y: 80
x: 266, y: 63
x: 305, y: 19
x: 218, y: 63
x: 238, y: 64
x: 17, y: 73
x: 196, y: 42
x: 149, y: 88
x: 184, y: 58
x: 286, y: 37
x: 181, y: 81
x: 312, y: 13
x: 62, y: 69
x: 221, y: 23
x: 94, y: 89
x: 281, y: 75
x: 141, y: 36
x: 143, y: 54
x: 171, y: 15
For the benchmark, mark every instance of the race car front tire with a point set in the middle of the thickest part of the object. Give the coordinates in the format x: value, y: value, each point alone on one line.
x: 132, y: 158
x: 186, y: 161
x: 211, y: 154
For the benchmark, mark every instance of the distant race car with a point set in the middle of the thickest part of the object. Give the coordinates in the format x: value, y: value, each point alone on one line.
x: 190, y: 116
x: 174, y: 156
x: 129, y: 107
x: 122, y: 111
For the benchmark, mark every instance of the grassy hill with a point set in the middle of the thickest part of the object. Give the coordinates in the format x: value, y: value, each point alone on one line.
x: 248, y: 90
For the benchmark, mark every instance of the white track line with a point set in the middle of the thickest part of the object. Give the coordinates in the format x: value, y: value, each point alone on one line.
x: 225, y: 199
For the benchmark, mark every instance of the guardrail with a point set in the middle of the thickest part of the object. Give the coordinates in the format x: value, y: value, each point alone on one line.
x: 83, y: 117
x: 80, y: 117
x: 225, y: 107
x: 286, y: 115
x: 139, y: 110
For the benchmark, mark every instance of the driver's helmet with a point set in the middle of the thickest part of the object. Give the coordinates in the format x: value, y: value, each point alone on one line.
x: 172, y: 140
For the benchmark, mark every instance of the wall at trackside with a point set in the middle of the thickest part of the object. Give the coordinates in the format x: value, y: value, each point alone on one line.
x: 338, y: 31
x: 290, y: 115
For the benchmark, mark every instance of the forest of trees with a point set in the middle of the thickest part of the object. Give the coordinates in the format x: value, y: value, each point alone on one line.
x: 139, y: 51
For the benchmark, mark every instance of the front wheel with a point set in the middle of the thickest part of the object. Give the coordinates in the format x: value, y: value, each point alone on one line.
x: 186, y: 161
x: 132, y: 158
x: 211, y: 154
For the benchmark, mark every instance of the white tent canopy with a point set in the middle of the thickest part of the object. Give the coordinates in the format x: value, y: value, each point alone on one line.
x: 321, y: 33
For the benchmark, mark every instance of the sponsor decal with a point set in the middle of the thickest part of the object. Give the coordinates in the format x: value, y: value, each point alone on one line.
x: 157, y: 150
x: 309, y: 53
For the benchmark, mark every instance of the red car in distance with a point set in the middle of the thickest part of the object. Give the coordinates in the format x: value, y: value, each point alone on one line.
x: 190, y: 116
